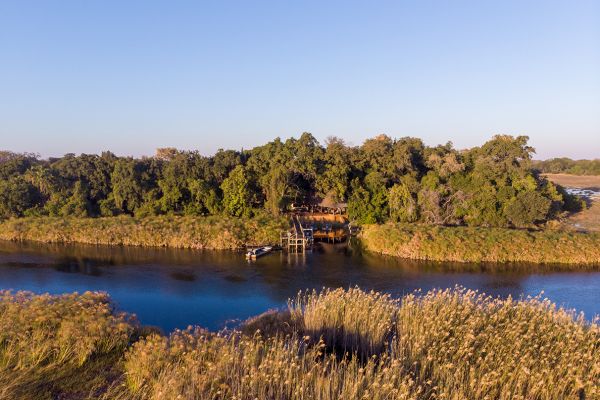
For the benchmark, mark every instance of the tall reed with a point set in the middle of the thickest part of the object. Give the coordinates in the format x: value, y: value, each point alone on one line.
x: 573, y: 250
x: 476, y: 347
x: 196, y: 365
x: 44, y: 337
x: 348, y: 321
x: 334, y: 344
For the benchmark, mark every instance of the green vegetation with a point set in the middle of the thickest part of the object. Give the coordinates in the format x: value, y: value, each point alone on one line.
x: 210, y: 232
x: 472, y: 244
x: 382, y: 180
x: 567, y: 166
x: 451, y: 344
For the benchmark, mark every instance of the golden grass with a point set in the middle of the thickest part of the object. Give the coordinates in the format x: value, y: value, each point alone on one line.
x: 44, y: 339
x: 347, y: 321
x: 470, y: 244
x: 451, y: 344
x: 212, y: 232
x: 198, y: 365
x: 471, y: 346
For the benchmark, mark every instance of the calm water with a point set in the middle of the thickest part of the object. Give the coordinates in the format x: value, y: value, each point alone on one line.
x: 176, y: 288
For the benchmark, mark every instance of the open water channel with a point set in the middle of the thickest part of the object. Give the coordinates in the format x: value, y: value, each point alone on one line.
x: 176, y: 288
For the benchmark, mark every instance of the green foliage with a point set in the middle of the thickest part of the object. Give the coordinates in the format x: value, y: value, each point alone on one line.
x: 77, y: 204
x: 276, y: 184
x: 368, y: 205
x: 204, y: 198
x: 402, y: 204
x: 383, y: 179
x: 236, y: 193
x: 127, y: 188
x: 527, y: 208
x: 337, y: 170
x: 16, y: 196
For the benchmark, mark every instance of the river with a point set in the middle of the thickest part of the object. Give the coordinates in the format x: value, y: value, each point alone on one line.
x: 175, y: 288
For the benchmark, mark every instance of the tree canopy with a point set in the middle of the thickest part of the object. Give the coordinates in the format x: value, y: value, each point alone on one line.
x: 383, y: 179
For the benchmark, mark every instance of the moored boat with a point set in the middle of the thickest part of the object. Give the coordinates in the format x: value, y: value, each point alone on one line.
x: 258, y: 252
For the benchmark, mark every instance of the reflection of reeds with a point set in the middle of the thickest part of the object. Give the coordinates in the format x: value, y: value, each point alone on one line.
x: 334, y: 344
x: 469, y: 244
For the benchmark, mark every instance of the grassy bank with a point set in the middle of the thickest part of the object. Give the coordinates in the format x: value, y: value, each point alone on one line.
x: 336, y: 344
x: 465, y: 244
x: 213, y: 232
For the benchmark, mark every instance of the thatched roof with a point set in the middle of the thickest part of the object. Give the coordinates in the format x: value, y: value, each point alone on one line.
x: 330, y: 202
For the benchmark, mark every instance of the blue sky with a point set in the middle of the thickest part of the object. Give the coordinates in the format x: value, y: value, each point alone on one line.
x: 131, y: 76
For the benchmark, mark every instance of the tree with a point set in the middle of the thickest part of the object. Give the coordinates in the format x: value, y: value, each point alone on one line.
x: 337, y: 170
x: 16, y: 196
x: 368, y: 202
x: 204, y: 198
x: 276, y: 185
x: 402, y: 204
x: 236, y: 194
x: 527, y: 209
x: 77, y: 204
x: 127, y: 191
x: 384, y: 178
x: 12, y: 164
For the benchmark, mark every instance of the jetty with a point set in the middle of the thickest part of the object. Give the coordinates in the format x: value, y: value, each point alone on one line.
x: 298, y: 238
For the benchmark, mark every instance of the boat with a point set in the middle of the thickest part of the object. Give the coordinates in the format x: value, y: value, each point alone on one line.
x: 258, y: 252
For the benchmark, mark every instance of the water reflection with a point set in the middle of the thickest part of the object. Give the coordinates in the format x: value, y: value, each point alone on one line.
x: 176, y: 288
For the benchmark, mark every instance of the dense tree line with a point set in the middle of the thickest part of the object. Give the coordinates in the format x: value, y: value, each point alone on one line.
x: 383, y: 179
x: 568, y: 166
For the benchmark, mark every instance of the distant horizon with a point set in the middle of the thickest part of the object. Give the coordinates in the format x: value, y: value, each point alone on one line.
x: 135, y: 76
x: 321, y: 141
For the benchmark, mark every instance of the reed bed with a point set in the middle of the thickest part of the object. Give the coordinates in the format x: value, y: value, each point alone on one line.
x: 574, y: 250
x: 471, y: 346
x: 44, y: 338
x: 210, y: 232
x: 333, y: 344
x: 199, y: 365
x: 346, y: 320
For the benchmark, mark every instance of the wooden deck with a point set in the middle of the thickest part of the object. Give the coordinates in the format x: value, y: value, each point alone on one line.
x: 298, y: 239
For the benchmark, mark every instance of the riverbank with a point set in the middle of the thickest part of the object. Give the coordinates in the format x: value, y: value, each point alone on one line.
x: 211, y: 232
x: 330, y: 345
x: 468, y: 244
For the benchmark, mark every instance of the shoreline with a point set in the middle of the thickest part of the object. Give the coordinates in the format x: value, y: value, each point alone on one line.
x: 477, y: 245
x: 408, y: 241
x: 177, y: 232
